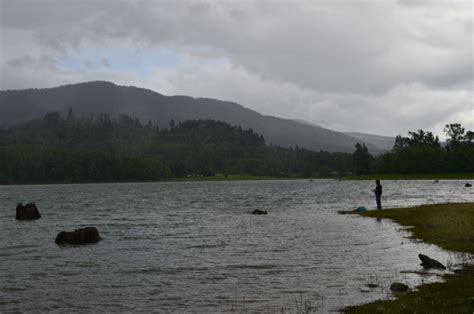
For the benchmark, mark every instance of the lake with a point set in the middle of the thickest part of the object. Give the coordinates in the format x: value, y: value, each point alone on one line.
x: 194, y: 247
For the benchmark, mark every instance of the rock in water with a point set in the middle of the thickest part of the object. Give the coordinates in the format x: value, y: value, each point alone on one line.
x: 27, y: 212
x: 398, y: 287
x: 345, y: 212
x: 468, y: 185
x: 259, y: 212
x: 428, y: 262
x: 79, y: 236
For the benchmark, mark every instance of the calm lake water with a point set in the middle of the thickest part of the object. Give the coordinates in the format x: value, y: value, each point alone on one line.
x: 193, y: 247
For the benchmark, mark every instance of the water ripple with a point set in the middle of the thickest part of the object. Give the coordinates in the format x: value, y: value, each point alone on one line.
x: 193, y: 246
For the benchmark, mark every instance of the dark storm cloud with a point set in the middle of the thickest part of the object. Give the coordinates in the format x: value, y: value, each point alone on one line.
x: 321, y: 60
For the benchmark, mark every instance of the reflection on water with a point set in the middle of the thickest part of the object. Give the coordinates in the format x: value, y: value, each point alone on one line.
x: 193, y: 246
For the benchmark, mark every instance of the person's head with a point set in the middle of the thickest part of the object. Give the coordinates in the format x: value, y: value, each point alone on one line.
x: 377, y: 181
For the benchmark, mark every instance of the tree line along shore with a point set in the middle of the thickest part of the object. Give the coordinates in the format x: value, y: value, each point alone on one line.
x: 66, y: 149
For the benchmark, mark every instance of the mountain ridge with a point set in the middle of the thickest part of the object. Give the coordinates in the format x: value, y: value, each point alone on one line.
x: 380, y: 141
x: 96, y: 97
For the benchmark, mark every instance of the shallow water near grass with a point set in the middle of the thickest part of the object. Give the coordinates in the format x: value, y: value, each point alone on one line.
x: 193, y: 246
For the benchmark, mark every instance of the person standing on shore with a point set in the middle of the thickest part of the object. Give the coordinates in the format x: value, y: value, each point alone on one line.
x: 378, y: 194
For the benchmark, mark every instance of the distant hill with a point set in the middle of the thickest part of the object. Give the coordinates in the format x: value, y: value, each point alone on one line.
x: 384, y: 143
x: 306, y: 122
x: 381, y: 143
x: 105, y: 97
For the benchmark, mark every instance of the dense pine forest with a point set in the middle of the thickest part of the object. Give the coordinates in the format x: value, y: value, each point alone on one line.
x: 102, y: 149
x: 106, y: 149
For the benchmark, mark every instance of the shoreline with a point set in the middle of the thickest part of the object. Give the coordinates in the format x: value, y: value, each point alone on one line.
x: 449, y: 226
x: 221, y: 178
x: 429, y: 176
x: 230, y: 178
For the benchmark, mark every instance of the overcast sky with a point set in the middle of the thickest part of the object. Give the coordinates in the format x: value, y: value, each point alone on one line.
x: 381, y: 66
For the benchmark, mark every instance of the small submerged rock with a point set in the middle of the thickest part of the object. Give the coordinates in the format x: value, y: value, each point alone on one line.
x: 259, y: 212
x: 27, y: 212
x: 345, y: 212
x: 428, y: 262
x: 78, y: 236
x: 359, y: 209
x: 398, y: 287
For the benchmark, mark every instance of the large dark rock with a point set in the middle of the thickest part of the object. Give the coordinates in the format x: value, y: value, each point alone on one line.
x: 468, y: 185
x: 27, y: 212
x: 398, y: 287
x: 259, y: 212
x: 428, y: 262
x: 79, y: 236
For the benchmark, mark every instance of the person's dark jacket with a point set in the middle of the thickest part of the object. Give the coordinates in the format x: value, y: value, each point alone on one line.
x: 378, y: 189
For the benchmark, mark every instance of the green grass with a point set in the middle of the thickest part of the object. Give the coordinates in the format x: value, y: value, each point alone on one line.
x: 450, y: 226
x: 182, y: 179
x: 428, y: 176
x: 237, y: 178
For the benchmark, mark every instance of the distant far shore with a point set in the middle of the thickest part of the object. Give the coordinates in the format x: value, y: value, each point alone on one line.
x: 439, y: 176
x: 177, y: 179
x: 427, y: 176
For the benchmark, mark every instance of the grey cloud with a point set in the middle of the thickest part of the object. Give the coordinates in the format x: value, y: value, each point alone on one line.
x: 35, y: 63
x: 345, y: 46
x: 324, y: 61
x: 105, y: 62
x: 20, y: 61
x: 404, y: 107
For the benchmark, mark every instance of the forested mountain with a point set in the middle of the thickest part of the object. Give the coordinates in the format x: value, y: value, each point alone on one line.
x: 377, y: 143
x: 96, y: 97
x: 63, y: 148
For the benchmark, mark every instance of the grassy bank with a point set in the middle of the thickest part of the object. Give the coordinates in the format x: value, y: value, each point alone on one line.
x: 224, y: 178
x: 172, y: 179
x: 428, y: 176
x: 237, y: 178
x: 450, y: 226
